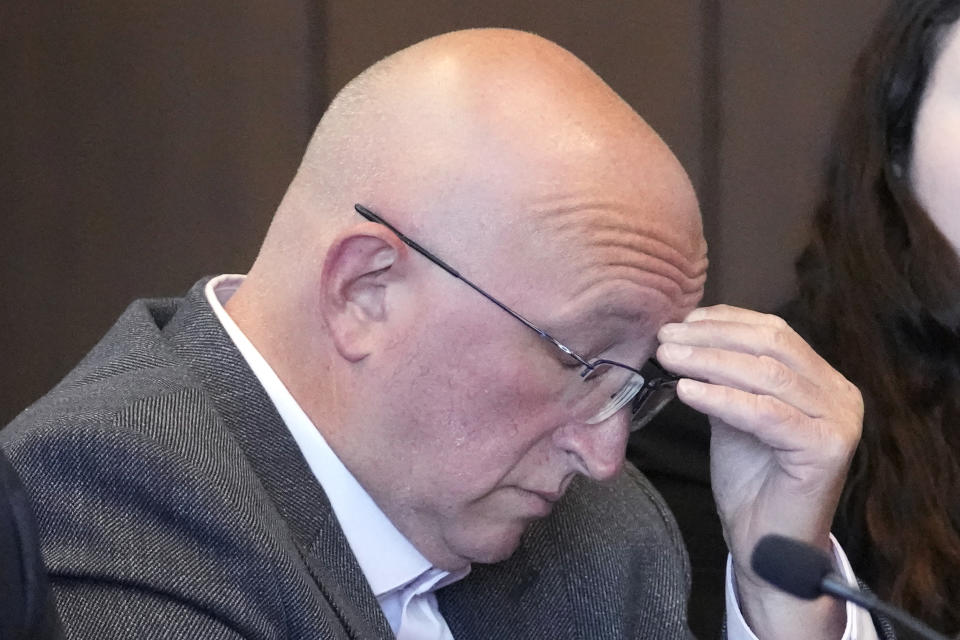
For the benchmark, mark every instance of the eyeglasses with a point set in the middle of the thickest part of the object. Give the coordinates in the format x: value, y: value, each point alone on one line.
x: 605, y: 386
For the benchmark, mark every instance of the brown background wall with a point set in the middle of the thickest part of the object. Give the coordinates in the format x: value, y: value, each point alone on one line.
x: 144, y: 145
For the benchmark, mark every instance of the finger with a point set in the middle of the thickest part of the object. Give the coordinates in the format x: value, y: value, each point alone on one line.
x: 774, y: 422
x: 770, y: 338
x: 729, y: 313
x: 759, y: 375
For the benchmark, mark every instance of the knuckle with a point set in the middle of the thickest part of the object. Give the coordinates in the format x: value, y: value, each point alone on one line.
x: 777, y: 375
x: 835, y: 444
x: 714, y: 312
x: 771, y: 410
x: 852, y: 394
x: 856, y: 396
x: 777, y: 339
x: 776, y: 322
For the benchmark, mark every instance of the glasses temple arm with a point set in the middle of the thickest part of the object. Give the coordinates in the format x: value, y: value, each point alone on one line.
x: 372, y: 217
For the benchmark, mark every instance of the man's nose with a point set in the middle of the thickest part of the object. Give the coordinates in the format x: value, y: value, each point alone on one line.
x: 599, y: 449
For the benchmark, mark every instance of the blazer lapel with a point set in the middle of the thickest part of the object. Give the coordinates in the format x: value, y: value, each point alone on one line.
x: 526, y: 596
x: 573, y: 576
x: 197, y: 335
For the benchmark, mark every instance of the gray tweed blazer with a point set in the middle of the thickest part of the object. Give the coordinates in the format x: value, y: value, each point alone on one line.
x: 172, y: 502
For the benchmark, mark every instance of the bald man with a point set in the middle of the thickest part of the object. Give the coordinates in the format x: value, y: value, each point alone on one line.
x: 410, y: 417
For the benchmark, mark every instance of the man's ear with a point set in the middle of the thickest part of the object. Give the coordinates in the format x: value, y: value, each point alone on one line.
x: 360, y: 265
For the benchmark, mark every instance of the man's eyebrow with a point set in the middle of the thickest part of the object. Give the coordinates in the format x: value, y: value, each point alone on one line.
x: 581, y: 333
x: 609, y: 310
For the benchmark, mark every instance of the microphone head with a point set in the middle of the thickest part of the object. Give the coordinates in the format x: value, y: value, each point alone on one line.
x: 791, y: 565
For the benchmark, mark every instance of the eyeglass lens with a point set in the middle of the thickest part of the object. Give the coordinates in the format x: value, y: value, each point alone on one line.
x: 651, y: 400
x: 602, y: 392
x: 607, y: 388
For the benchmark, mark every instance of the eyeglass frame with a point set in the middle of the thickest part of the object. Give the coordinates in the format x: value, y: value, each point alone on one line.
x: 643, y: 393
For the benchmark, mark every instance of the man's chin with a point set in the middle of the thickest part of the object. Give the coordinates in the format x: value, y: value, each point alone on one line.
x: 497, y: 555
x: 496, y: 546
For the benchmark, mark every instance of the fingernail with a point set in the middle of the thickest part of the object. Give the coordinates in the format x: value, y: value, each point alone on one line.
x: 689, y: 388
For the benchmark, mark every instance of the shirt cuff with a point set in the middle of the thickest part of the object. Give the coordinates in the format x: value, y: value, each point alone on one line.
x: 859, y: 623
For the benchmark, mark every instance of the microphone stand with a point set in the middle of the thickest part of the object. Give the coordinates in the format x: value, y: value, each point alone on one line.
x: 835, y: 586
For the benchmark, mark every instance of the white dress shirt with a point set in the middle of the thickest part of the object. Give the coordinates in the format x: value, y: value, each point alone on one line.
x: 399, y: 576
x: 402, y: 580
x: 859, y: 623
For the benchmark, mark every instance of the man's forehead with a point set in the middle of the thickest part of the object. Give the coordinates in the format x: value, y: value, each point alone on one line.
x: 607, y: 249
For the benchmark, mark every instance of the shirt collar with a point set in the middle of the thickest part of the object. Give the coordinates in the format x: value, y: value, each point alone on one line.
x: 388, y: 560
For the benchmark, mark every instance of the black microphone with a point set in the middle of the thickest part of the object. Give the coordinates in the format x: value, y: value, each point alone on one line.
x: 807, y: 572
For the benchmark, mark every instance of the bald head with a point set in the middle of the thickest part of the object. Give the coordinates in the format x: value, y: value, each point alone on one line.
x: 483, y: 131
x: 507, y: 157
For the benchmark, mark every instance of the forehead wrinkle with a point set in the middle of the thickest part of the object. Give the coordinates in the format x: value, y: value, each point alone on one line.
x: 651, y: 254
x: 582, y: 220
x: 618, y: 248
x: 639, y: 273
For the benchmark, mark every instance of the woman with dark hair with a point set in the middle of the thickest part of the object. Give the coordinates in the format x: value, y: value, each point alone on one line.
x: 880, y: 300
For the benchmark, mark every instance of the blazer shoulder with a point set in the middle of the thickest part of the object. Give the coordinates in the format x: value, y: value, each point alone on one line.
x: 131, y: 361
x: 154, y: 497
x: 137, y: 483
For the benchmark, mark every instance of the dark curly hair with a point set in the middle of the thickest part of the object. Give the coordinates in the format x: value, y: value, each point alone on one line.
x: 880, y: 295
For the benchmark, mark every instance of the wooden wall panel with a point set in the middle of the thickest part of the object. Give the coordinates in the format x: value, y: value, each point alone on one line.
x: 785, y: 66
x: 143, y: 145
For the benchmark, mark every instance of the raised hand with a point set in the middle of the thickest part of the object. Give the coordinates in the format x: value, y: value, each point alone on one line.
x: 785, y: 425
